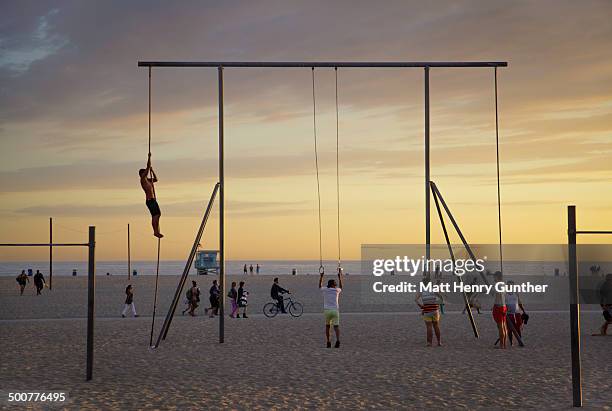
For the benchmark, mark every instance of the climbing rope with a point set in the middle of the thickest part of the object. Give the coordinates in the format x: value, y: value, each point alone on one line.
x: 499, y: 219
x: 151, y: 169
x: 338, y: 171
x: 316, y: 152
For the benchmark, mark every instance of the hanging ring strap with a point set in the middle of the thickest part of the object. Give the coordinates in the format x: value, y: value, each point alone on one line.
x: 499, y: 219
x: 151, y: 169
x: 314, y: 126
x: 321, y: 270
x: 338, y: 170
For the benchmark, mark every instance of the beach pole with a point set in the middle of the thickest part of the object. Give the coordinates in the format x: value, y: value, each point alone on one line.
x: 91, y: 295
x: 574, y: 307
x: 427, y: 174
x: 128, y: 251
x: 221, y: 213
x: 50, y: 253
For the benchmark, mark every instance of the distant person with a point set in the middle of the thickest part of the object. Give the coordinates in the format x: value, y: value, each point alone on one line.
x: 293, y: 272
x: 429, y: 303
x: 251, y: 269
x: 499, y: 311
x: 22, y: 280
x: 233, y: 296
x: 331, y: 307
x: 245, y: 270
x: 277, y: 294
x: 513, y: 304
x: 243, y: 300
x: 39, y: 282
x: 129, y: 301
x: 257, y: 269
x: 193, y: 298
x: 214, y: 296
x: 151, y: 201
x: 605, y: 300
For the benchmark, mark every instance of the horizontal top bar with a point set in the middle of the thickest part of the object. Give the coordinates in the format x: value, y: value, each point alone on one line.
x: 593, y: 232
x: 355, y: 64
x: 45, y: 245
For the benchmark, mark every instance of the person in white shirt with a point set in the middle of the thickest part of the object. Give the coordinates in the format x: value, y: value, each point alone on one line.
x: 331, y: 293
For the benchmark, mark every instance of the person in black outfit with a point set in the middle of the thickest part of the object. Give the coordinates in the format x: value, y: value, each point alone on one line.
x: 277, y: 294
x: 39, y: 282
x: 215, y: 293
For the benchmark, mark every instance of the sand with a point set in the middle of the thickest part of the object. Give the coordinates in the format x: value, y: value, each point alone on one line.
x: 282, y: 363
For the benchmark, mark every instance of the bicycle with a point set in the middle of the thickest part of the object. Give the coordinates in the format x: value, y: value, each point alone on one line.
x: 294, y: 308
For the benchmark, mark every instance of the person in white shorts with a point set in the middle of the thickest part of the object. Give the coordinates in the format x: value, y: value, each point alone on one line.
x: 331, y: 307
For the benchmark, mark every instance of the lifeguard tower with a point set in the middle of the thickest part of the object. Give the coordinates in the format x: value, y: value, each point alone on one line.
x: 206, y: 262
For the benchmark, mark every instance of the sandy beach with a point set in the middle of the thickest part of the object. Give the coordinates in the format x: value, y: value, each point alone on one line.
x: 282, y: 363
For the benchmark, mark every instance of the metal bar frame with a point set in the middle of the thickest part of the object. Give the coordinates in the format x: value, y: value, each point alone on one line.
x: 322, y: 64
x: 50, y: 253
x: 220, y: 65
x: 91, y: 285
x: 572, y: 233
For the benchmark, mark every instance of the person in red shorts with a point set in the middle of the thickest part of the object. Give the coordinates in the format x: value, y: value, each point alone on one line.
x: 499, y: 312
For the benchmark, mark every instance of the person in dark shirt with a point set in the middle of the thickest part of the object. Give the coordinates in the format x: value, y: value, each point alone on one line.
x: 39, y: 282
x: 233, y: 295
x: 129, y: 301
x: 22, y: 279
x: 193, y: 298
x: 605, y: 295
x: 215, y: 293
x: 277, y: 294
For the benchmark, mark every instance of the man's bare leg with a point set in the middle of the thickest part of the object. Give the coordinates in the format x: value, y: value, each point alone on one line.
x: 429, y: 333
x: 337, y: 331
x: 501, y: 327
x: 155, y: 224
x: 436, y: 327
x: 327, y: 335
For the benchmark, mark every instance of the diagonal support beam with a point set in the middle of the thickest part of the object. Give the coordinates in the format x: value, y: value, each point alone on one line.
x: 436, y: 192
x: 450, y: 250
x: 179, y: 289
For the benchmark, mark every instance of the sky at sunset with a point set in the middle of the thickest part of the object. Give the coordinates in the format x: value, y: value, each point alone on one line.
x: 73, y: 122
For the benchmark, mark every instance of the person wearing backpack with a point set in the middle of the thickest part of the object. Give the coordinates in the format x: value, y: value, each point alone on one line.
x: 193, y: 298
x: 243, y: 300
x: 22, y: 279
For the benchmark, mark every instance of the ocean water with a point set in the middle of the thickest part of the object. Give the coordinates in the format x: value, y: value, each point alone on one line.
x: 267, y: 267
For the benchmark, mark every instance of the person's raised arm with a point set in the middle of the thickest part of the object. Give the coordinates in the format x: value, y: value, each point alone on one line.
x: 321, y: 280
x: 154, y: 179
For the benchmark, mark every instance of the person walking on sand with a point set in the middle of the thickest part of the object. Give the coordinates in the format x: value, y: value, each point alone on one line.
x: 513, y: 304
x: 499, y: 312
x: 429, y: 303
x: 129, y: 301
x: 193, y: 298
x: 147, y: 185
x: 39, y: 282
x: 257, y: 269
x: 331, y: 307
x: 605, y: 301
x: 233, y: 296
x: 214, y: 294
x: 277, y: 294
x: 251, y: 269
x: 245, y: 269
x: 243, y: 300
x: 22, y: 279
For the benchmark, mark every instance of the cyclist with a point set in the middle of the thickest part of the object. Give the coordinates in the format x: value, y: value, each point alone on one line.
x: 277, y: 294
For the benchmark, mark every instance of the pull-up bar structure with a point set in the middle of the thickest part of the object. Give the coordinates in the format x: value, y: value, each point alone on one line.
x: 221, y: 65
x: 91, y: 288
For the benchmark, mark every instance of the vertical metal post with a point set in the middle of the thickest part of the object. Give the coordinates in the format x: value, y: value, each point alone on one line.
x: 129, y: 254
x: 91, y: 295
x: 574, y: 307
x: 427, y: 176
x: 221, y: 213
x: 50, y: 253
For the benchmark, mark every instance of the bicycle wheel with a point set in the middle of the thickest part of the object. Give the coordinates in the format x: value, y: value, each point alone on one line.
x: 270, y: 310
x: 296, y: 309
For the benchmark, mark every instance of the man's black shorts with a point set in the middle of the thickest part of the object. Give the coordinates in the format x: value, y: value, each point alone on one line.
x: 153, y: 207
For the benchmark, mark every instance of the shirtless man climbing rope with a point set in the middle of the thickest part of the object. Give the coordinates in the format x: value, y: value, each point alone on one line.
x: 147, y: 185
